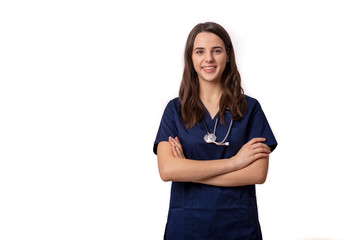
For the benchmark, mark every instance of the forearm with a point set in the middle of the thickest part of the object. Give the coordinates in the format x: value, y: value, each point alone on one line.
x: 173, y: 166
x: 186, y: 170
x: 254, y: 173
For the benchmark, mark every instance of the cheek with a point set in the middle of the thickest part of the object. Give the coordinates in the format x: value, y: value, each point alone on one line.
x: 196, y: 64
x: 223, y: 62
x: 223, y: 59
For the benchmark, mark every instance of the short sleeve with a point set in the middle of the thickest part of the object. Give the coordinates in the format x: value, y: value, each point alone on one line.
x: 167, y: 125
x: 258, y: 126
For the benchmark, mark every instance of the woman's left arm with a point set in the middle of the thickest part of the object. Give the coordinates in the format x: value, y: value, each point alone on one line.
x: 254, y: 173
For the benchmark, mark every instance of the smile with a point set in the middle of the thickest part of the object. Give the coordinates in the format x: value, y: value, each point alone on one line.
x: 209, y: 69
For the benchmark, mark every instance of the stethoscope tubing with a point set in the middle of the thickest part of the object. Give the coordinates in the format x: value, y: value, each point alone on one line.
x: 211, y: 137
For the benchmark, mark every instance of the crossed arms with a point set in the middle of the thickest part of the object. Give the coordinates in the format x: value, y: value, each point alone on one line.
x: 249, y: 166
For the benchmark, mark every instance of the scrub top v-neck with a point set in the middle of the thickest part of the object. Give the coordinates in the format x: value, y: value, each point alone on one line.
x: 198, y: 211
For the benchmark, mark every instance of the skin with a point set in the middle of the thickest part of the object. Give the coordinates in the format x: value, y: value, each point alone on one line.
x: 209, y: 60
x: 254, y: 173
x: 248, y: 166
x: 209, y: 57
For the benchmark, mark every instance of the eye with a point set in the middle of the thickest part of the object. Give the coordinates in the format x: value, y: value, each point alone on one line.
x: 217, y: 51
x: 199, y: 52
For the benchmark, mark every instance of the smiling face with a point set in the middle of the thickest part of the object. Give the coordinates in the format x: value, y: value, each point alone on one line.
x: 209, y: 57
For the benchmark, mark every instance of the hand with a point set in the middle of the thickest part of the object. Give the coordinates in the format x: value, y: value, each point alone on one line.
x: 251, y: 151
x: 176, y: 147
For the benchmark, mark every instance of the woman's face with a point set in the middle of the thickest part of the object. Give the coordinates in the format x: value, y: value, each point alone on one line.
x: 209, y: 57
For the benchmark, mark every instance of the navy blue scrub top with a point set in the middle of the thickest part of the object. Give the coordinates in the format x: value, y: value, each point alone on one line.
x: 198, y: 211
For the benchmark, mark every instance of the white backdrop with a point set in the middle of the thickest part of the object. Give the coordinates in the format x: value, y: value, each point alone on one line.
x: 83, y: 85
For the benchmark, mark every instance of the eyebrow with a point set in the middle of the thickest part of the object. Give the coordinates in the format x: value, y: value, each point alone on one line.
x: 200, y: 48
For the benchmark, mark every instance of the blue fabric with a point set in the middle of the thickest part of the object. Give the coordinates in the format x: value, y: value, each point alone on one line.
x: 199, y: 211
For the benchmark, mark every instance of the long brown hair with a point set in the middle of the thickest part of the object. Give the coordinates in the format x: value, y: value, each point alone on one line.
x: 192, y: 109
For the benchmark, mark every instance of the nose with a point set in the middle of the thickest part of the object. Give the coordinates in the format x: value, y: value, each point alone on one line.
x: 209, y: 57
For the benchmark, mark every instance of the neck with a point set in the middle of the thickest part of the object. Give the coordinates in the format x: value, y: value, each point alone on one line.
x: 210, y: 92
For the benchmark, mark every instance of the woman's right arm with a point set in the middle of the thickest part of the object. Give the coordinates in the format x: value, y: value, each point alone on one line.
x: 186, y: 170
x: 179, y: 169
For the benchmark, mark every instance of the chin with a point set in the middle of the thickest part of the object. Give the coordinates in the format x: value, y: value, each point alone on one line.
x: 211, y: 79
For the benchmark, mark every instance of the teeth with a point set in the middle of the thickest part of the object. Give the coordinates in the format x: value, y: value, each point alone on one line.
x: 209, y: 68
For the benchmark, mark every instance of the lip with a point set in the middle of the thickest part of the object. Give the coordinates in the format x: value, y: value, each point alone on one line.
x: 209, y: 69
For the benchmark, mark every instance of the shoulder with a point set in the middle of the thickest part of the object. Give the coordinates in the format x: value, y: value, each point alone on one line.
x: 173, y: 106
x: 252, y: 103
x: 174, y: 103
x: 254, y: 108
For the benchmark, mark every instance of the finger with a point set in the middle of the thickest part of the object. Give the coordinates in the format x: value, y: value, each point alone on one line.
x: 179, y: 147
x: 173, y: 147
x: 171, y: 141
x: 179, y: 152
x: 182, y: 153
x: 261, y: 155
x: 177, y: 142
x: 256, y: 140
x: 261, y: 150
x: 173, y: 150
x: 260, y: 145
x: 176, y: 147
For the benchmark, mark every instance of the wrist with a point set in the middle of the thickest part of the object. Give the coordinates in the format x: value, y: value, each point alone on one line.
x: 233, y: 163
x: 237, y: 163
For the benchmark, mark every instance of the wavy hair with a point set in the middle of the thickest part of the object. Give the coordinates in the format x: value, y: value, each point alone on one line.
x: 191, y: 106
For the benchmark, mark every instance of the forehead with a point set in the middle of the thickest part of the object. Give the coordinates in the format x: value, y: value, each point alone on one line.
x: 207, y: 40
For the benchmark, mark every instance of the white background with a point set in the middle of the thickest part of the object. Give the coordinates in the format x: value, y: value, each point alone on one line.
x: 83, y: 85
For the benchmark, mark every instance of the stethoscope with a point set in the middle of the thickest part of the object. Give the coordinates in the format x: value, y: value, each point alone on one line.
x: 211, y: 137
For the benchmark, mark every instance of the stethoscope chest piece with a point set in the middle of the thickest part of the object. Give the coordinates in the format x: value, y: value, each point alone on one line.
x: 210, y: 138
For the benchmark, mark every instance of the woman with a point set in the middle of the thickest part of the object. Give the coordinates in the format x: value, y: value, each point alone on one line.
x: 213, y: 143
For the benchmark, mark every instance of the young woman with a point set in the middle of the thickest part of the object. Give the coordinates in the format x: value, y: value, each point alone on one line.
x: 213, y: 143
